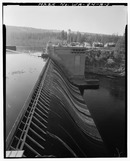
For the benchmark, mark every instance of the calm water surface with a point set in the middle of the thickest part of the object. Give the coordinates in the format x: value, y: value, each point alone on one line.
x: 107, y: 106
x: 22, y: 72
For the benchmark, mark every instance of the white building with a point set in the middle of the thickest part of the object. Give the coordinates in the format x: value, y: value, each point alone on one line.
x: 97, y: 44
x: 110, y: 44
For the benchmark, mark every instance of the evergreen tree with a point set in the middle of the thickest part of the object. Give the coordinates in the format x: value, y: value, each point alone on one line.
x: 62, y: 35
x: 78, y: 37
x: 120, y: 46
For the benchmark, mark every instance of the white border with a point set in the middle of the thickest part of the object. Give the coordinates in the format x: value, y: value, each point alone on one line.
x: 1, y: 78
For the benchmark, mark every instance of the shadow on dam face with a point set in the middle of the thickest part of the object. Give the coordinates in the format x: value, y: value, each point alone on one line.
x: 56, y: 121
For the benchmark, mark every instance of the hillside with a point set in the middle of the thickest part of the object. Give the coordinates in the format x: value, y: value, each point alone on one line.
x: 24, y: 36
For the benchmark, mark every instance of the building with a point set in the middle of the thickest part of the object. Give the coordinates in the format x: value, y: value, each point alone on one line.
x: 11, y: 48
x: 87, y: 45
x: 97, y: 44
x: 110, y: 44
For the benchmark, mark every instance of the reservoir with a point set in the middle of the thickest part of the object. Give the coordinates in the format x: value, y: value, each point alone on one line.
x: 106, y: 104
x: 22, y: 71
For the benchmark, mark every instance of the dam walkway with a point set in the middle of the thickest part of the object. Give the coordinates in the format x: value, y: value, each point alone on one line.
x: 55, y: 121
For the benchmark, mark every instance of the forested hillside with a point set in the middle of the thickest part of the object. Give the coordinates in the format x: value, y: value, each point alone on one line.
x: 23, y: 36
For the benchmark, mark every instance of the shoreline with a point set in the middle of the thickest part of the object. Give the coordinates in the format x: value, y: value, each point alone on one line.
x: 105, y: 74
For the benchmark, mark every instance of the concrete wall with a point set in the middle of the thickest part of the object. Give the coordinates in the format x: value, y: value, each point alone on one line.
x: 74, y: 62
x: 11, y: 47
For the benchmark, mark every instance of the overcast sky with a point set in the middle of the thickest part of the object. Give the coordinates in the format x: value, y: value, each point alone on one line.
x: 105, y: 20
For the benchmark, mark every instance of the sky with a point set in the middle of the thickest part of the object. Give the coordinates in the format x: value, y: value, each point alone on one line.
x: 104, y: 20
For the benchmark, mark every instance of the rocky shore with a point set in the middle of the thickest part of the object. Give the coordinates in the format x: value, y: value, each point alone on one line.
x: 105, y: 62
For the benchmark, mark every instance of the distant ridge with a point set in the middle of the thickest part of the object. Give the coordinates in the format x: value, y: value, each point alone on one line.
x: 22, y: 28
x: 29, y: 36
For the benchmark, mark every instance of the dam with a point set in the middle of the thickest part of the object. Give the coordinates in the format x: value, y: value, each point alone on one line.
x: 55, y: 120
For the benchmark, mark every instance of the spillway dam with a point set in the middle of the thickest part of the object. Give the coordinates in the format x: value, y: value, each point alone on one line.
x: 55, y: 121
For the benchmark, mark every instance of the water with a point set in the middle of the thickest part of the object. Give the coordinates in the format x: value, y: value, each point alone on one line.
x: 22, y: 71
x: 107, y: 106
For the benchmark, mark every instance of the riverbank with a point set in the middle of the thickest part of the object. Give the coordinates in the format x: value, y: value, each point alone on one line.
x: 105, y: 62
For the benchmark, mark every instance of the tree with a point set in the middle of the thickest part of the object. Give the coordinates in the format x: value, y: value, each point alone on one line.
x: 65, y: 35
x: 78, y: 37
x: 62, y: 35
x: 73, y: 37
x: 83, y: 38
x: 120, y: 46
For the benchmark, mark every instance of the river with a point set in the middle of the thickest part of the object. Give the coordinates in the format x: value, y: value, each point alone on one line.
x: 108, y: 108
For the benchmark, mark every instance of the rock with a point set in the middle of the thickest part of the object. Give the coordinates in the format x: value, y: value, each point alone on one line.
x: 110, y: 61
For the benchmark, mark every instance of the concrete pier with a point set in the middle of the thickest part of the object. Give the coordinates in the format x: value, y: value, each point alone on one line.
x: 72, y: 59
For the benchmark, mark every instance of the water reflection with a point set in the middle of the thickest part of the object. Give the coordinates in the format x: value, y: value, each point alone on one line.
x: 116, y: 87
x: 22, y: 71
x: 118, y: 92
x: 107, y: 106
